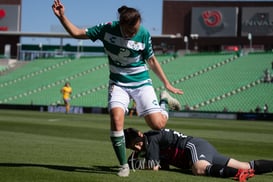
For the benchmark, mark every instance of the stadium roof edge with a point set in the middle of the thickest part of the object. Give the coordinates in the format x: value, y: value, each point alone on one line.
x: 63, y: 35
x: 35, y: 34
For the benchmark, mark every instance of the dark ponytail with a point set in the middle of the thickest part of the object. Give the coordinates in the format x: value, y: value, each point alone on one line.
x: 132, y: 137
x: 128, y: 16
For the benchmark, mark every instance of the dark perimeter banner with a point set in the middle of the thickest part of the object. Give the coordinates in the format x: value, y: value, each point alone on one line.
x: 257, y: 21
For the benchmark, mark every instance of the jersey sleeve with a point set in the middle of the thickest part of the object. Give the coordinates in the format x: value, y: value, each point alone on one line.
x: 148, y: 51
x: 153, y: 149
x: 97, y: 32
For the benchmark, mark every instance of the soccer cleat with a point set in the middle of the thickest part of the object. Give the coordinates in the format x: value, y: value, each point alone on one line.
x: 124, y: 171
x: 172, y: 102
x: 243, y: 175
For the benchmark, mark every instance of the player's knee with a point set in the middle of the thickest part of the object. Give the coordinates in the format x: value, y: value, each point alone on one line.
x: 199, y: 171
x: 158, y: 125
x: 155, y: 121
x: 199, y: 168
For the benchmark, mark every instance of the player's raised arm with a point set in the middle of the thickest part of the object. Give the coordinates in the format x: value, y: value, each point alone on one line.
x: 59, y: 10
x: 155, y: 66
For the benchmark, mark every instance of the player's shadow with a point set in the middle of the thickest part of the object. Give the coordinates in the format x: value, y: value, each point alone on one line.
x: 91, y: 169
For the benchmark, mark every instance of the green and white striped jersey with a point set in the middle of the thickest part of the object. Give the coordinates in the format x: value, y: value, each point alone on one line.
x: 126, y: 56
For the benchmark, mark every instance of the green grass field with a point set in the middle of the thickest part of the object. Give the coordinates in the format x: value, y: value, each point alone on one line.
x: 55, y: 147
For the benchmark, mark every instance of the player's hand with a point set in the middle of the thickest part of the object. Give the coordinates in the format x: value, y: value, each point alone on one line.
x: 58, y: 8
x: 174, y: 90
x: 156, y: 168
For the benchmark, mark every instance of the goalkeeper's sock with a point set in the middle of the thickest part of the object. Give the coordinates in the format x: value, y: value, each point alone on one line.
x: 165, y: 107
x: 164, y: 104
x: 261, y: 166
x: 67, y: 108
x: 118, y: 142
x: 217, y: 170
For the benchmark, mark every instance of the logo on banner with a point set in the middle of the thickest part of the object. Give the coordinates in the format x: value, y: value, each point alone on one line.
x: 2, y: 15
x: 212, y: 21
x: 258, y: 24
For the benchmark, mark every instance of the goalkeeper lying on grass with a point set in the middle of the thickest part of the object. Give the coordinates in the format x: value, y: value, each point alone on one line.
x: 159, y: 149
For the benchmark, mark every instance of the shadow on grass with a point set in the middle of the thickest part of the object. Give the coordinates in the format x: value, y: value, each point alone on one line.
x: 91, y: 169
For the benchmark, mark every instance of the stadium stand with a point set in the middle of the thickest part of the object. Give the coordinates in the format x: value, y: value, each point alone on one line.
x: 257, y: 95
x: 190, y: 66
x: 42, y: 87
x: 5, y: 64
x: 2, y: 68
x: 211, y: 81
x: 221, y: 80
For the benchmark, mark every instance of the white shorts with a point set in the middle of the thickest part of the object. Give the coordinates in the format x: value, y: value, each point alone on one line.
x: 145, y: 98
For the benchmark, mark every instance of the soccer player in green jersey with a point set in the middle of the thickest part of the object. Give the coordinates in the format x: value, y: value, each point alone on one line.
x: 129, y: 49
